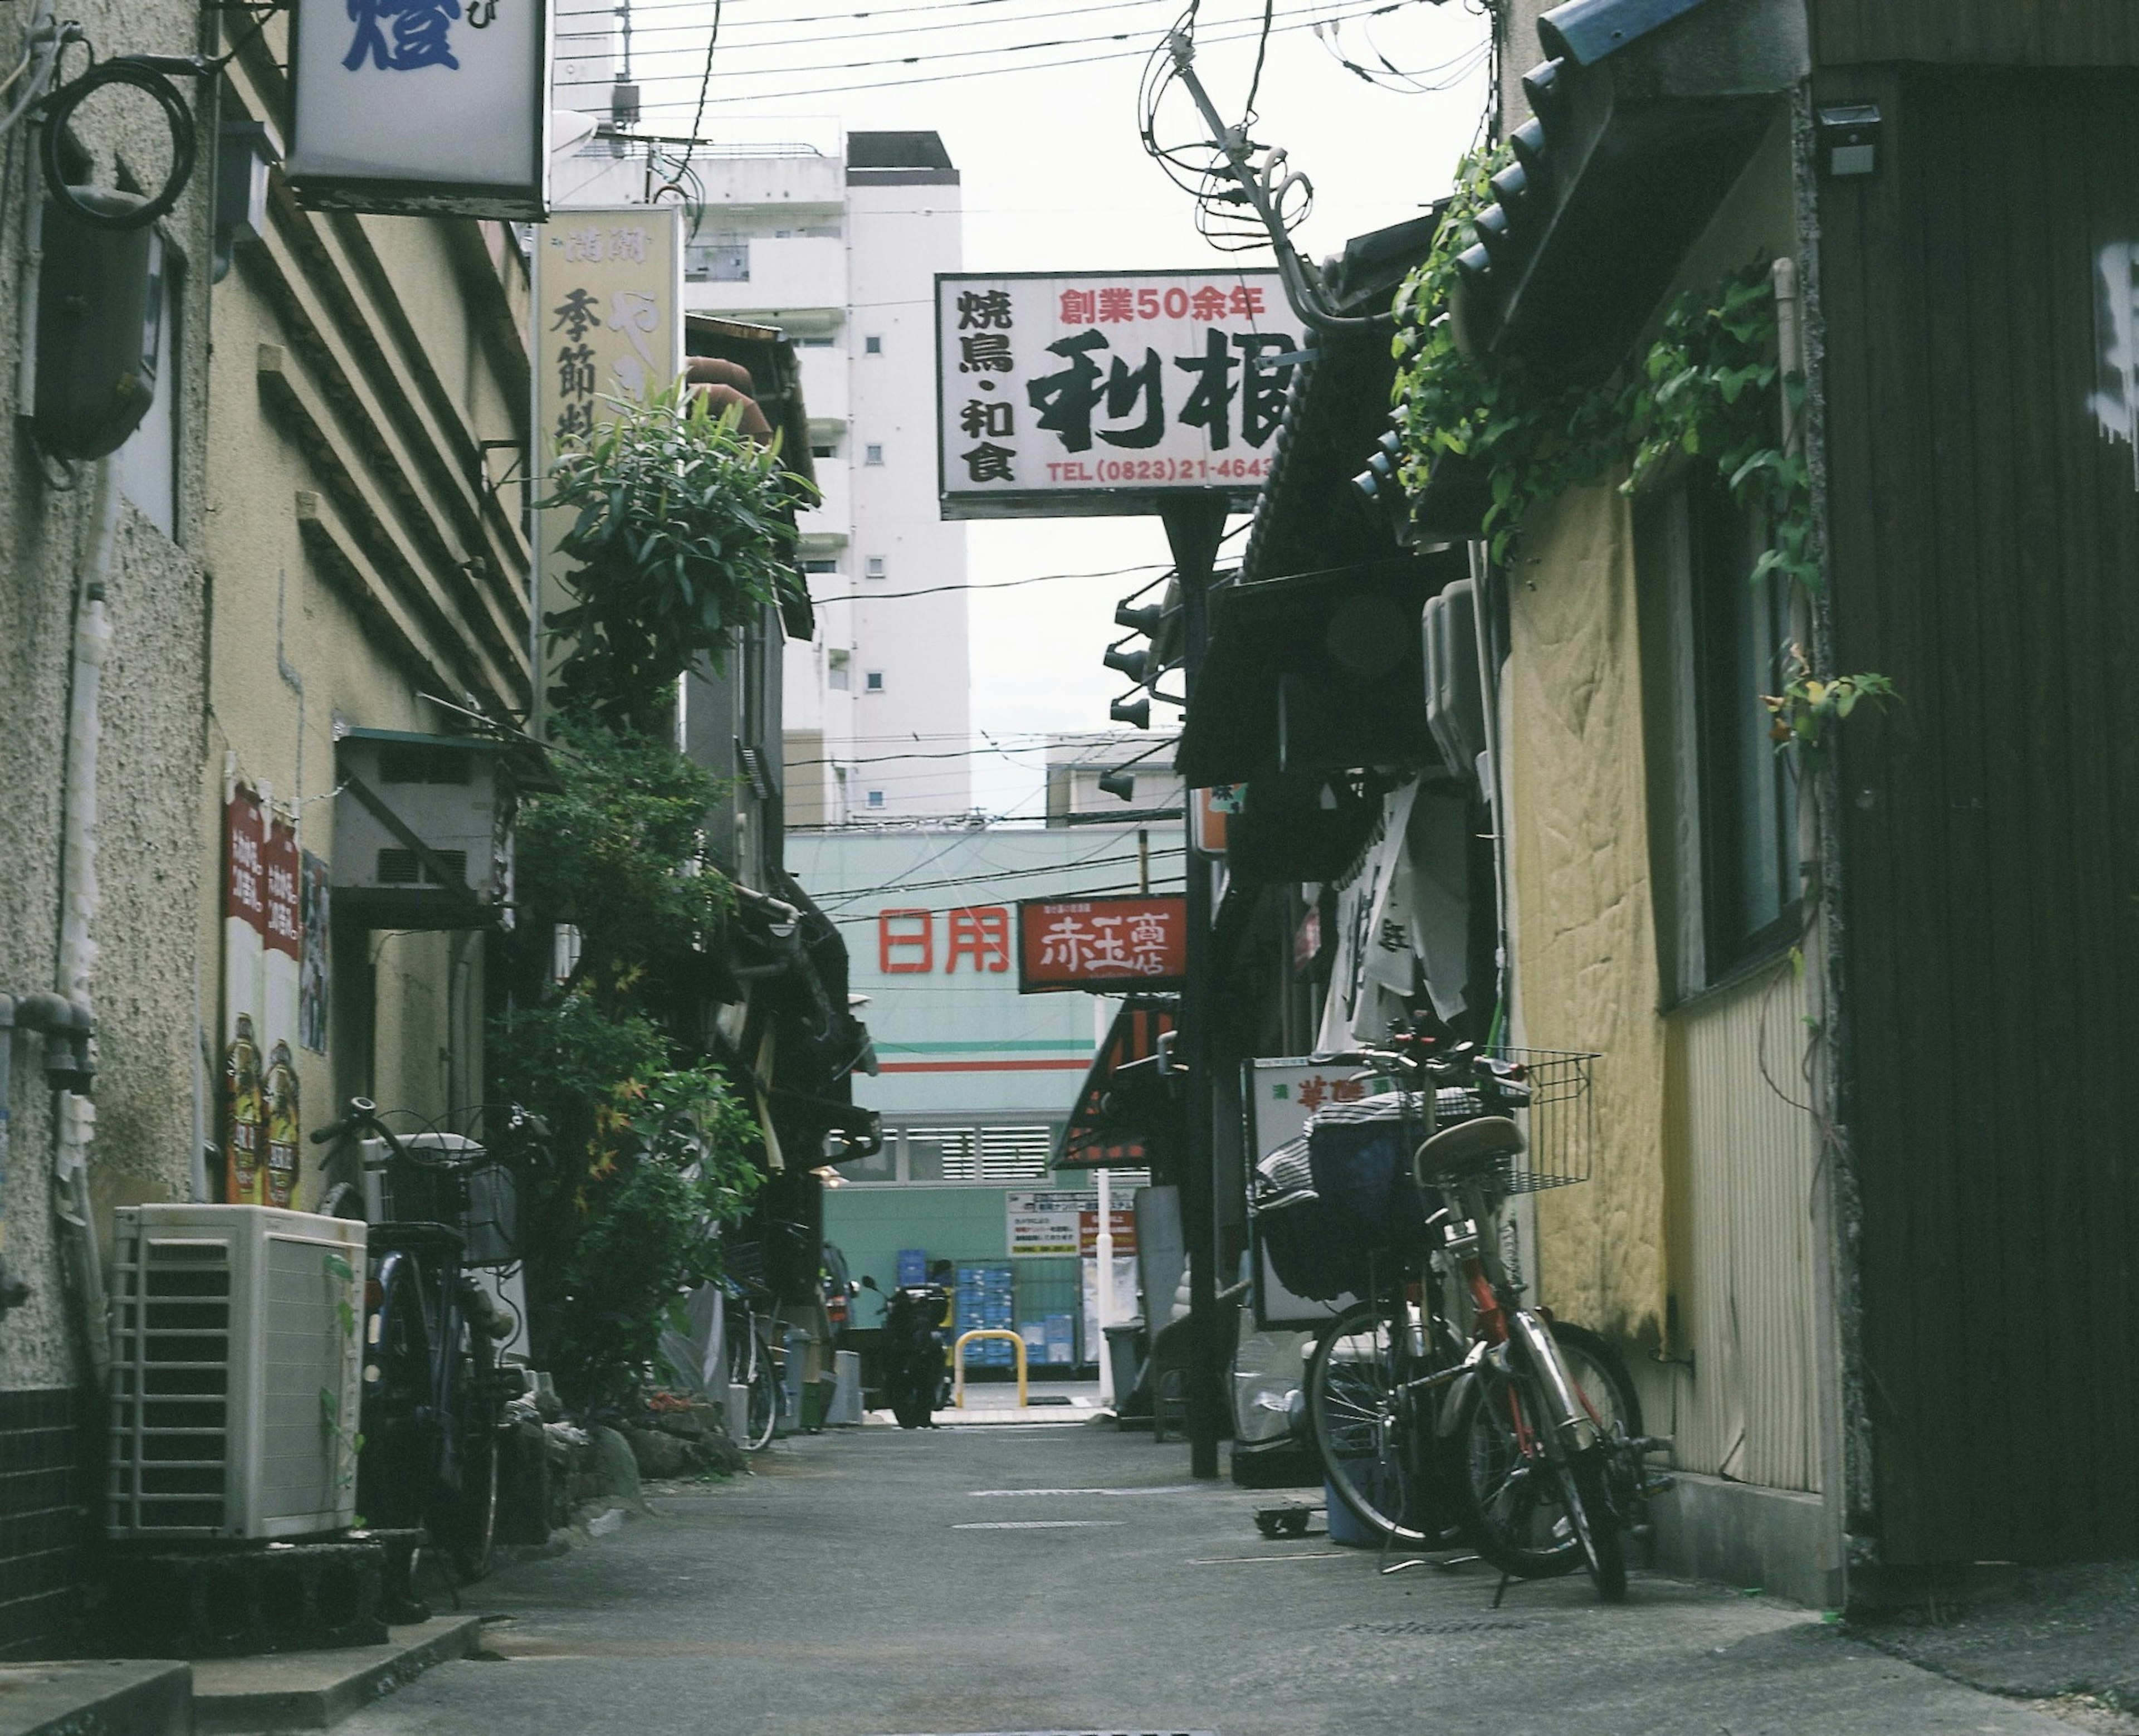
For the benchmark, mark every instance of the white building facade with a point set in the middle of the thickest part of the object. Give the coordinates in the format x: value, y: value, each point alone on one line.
x: 840, y: 252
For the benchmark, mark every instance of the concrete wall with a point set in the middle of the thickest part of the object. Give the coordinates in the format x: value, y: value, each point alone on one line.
x: 142, y: 982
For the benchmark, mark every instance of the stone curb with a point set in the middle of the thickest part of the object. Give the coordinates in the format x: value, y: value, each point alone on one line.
x: 315, y: 1690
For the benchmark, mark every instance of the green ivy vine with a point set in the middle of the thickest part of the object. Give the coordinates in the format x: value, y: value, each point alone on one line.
x: 1709, y: 390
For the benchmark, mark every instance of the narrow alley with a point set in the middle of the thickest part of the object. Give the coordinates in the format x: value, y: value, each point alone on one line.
x: 874, y: 1582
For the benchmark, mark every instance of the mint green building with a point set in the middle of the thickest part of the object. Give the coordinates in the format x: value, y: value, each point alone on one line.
x: 975, y: 1081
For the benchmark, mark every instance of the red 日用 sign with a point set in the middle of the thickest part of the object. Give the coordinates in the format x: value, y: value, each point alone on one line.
x: 1108, y: 944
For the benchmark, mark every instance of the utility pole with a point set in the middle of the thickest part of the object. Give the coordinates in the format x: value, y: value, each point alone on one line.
x: 1194, y: 525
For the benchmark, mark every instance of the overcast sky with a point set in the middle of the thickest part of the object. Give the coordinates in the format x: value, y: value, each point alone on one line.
x: 1055, y: 179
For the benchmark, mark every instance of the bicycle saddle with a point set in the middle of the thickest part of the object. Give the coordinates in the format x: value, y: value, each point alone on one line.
x: 1468, y: 1144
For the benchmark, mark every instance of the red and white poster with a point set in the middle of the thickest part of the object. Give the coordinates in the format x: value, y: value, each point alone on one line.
x: 262, y: 945
x: 1107, y: 944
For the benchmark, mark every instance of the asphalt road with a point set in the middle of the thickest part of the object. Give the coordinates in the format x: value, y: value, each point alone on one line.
x: 875, y: 1583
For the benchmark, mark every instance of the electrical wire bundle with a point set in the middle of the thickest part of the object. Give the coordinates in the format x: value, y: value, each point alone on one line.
x: 1224, y: 217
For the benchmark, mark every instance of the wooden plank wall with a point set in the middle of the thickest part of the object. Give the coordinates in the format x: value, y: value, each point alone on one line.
x: 1986, y: 555
x: 2007, y: 32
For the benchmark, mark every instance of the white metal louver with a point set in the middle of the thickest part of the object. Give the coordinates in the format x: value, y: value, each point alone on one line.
x: 236, y: 1342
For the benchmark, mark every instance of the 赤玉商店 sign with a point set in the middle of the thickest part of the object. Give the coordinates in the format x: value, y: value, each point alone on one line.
x: 1110, y: 945
x: 1091, y: 392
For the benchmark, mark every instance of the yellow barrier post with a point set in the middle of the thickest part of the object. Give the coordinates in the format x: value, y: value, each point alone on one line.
x: 958, y: 1363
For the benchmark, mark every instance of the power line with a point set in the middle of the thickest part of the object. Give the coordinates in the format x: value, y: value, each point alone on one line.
x: 847, y: 895
x: 1045, y: 578
x: 865, y: 36
x: 1081, y: 59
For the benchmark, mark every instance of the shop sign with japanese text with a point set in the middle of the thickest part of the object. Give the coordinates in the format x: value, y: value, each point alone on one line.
x: 1091, y: 392
x: 1107, y: 944
x: 1039, y: 1224
x: 608, y: 330
x: 422, y: 107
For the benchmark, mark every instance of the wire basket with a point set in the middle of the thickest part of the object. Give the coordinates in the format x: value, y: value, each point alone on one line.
x: 742, y: 1266
x: 1558, y: 1123
x: 423, y: 1187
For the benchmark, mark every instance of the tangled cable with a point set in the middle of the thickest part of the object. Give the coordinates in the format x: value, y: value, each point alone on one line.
x: 141, y: 73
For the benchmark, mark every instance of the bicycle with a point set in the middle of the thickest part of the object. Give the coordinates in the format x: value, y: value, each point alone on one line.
x: 433, y: 1392
x: 756, y: 1362
x: 1523, y: 1436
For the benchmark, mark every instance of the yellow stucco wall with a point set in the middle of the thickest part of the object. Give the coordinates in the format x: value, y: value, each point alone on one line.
x: 296, y: 649
x: 1586, y: 955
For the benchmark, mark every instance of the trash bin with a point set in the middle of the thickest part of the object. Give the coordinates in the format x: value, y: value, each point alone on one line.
x: 1125, y: 1358
x: 845, y: 1410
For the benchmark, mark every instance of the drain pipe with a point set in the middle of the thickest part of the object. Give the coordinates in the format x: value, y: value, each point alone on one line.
x: 74, y: 1116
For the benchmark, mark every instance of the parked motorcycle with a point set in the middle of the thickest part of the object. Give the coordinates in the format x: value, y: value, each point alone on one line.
x: 915, y: 1338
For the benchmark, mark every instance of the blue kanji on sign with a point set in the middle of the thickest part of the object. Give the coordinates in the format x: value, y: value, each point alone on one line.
x: 421, y: 34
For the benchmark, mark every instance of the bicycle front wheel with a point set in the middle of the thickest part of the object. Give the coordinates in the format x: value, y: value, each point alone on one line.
x: 761, y: 1381
x: 1374, y: 1429
x: 1530, y: 1516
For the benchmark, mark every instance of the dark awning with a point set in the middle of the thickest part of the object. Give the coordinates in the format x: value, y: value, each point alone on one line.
x: 1319, y: 673
x: 1113, y: 1124
x: 1645, y: 113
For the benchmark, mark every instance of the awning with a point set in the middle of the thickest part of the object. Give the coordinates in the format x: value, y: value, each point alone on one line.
x: 1645, y: 113
x: 1321, y: 673
x: 1116, y: 1114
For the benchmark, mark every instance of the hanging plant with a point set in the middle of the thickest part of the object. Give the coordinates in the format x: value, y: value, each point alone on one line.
x: 682, y: 533
x: 1710, y: 390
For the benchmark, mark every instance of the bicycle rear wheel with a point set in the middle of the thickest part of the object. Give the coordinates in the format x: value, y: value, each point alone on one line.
x: 1372, y: 1429
x: 464, y: 1518
x: 750, y: 1367
x: 1532, y: 1518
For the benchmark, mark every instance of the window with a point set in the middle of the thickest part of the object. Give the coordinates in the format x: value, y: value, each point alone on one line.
x: 820, y: 232
x: 876, y: 798
x: 823, y: 451
x: 725, y: 259
x: 873, y: 681
x: 873, y: 567
x: 837, y: 673
x: 821, y: 566
x: 992, y: 1156
x: 1724, y: 832
x: 813, y: 343
x: 872, y: 454
x: 872, y: 346
x: 146, y: 468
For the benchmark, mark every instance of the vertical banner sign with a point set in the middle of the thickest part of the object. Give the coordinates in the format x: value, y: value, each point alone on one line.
x: 262, y: 946
x: 244, y: 942
x: 281, y: 975
x: 609, y: 329
x: 1090, y: 393
x: 421, y: 107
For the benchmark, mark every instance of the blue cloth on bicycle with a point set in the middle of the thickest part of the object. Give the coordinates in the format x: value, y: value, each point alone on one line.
x: 1360, y: 1157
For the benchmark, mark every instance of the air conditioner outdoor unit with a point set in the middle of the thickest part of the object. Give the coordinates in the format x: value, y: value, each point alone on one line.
x: 236, y: 1345
x: 421, y: 829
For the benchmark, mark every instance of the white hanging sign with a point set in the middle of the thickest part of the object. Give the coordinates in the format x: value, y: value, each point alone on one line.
x: 424, y: 107
x: 1093, y: 392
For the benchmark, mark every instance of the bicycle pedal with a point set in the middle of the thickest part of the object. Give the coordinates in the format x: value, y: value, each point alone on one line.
x: 1656, y: 1482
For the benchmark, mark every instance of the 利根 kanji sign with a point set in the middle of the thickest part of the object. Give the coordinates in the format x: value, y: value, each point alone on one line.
x: 1108, y: 945
x: 1093, y: 392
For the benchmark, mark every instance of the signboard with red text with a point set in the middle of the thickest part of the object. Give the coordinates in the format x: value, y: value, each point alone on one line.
x: 1091, y: 392
x: 1110, y: 945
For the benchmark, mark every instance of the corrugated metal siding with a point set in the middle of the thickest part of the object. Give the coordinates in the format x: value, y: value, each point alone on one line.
x: 2020, y: 33
x: 1747, y: 1408
x: 1984, y: 538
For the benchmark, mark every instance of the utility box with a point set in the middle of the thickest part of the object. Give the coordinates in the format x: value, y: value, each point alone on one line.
x: 422, y: 827
x: 235, y: 1344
